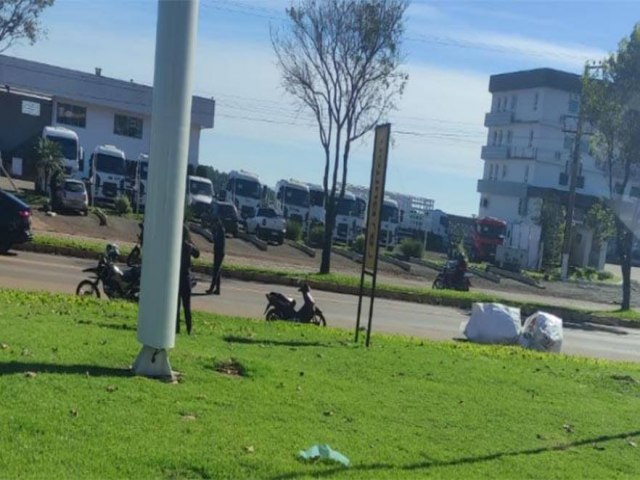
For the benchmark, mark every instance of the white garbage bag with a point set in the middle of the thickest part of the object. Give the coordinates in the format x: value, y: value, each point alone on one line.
x: 542, y: 331
x: 493, y: 323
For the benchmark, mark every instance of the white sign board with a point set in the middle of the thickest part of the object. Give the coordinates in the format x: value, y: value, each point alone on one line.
x: 31, y: 108
x: 376, y: 192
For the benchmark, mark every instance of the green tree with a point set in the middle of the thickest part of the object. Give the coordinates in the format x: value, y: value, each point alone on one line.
x: 601, y: 221
x: 611, y: 101
x: 48, y: 163
x: 551, y: 219
x: 20, y: 19
x: 340, y: 60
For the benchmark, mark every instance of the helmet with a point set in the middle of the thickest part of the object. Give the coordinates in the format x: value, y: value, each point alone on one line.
x: 112, y: 251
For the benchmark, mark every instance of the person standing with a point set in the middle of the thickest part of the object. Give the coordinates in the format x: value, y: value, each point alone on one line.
x: 219, y: 238
x: 188, y: 250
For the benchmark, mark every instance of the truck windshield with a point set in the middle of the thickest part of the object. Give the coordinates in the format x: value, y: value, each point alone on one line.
x: 389, y: 214
x: 110, y: 164
x: 346, y: 206
x: 68, y: 147
x: 491, y: 231
x: 197, y: 187
x: 316, y: 198
x: 361, y: 207
x: 247, y: 188
x: 296, y: 197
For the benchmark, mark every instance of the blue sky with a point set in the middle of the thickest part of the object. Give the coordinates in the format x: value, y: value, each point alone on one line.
x: 452, y: 48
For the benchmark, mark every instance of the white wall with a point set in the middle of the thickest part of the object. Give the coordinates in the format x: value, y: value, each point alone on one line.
x: 499, y: 206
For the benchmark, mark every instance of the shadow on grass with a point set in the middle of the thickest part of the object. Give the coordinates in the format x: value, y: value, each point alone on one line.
x: 460, y: 461
x: 276, y: 343
x: 12, y: 368
x: 112, y: 326
x: 592, y: 327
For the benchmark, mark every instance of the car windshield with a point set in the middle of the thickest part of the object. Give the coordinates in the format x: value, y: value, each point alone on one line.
x: 197, y: 187
x: 346, y: 206
x: 316, y: 198
x: 267, y: 213
x: 74, y: 187
x: 296, y: 197
x: 110, y: 164
x: 247, y: 188
x: 361, y: 207
x: 68, y: 147
x: 389, y: 214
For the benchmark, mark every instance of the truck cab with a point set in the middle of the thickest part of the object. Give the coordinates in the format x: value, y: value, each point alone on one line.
x: 346, y: 226
x: 199, y: 194
x: 244, y: 190
x: 293, y: 199
x: 316, y: 204
x: 389, y: 224
x: 488, y: 233
x: 69, y: 145
x: 107, y: 173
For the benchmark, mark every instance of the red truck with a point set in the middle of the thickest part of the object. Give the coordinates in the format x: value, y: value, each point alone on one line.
x: 487, y: 234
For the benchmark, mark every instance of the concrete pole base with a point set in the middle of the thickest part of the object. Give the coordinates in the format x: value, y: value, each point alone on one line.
x: 153, y: 362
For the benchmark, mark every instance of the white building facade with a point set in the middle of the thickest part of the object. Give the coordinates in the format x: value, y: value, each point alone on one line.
x: 100, y: 110
x: 527, y: 158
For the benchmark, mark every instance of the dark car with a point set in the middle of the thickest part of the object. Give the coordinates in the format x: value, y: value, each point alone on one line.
x: 227, y: 212
x: 15, y: 221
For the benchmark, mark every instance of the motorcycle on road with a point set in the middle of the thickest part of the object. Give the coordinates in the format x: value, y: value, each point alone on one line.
x: 453, y: 277
x: 281, y: 307
x: 115, y: 282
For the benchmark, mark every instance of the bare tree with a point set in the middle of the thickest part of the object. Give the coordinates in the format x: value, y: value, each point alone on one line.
x: 340, y: 59
x: 20, y: 19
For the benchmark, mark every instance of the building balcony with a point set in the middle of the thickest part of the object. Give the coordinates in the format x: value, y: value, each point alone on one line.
x: 524, y: 153
x: 496, y: 119
x: 494, y: 152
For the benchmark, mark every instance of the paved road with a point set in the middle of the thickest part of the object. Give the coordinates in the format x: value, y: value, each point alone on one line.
x: 61, y: 274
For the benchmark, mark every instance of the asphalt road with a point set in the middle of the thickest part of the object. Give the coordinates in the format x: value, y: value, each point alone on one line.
x: 61, y: 274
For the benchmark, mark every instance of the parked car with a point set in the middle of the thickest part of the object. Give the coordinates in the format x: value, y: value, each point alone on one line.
x: 227, y: 212
x: 268, y: 224
x: 72, y: 195
x: 15, y: 221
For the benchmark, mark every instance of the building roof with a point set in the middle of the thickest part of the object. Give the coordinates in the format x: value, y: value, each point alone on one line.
x: 540, y: 77
x: 88, y: 88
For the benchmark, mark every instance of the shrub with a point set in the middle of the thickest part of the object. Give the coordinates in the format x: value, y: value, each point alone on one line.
x: 122, y: 205
x: 410, y: 247
x: 358, y: 244
x: 294, y: 231
x: 605, y: 276
x: 316, y: 236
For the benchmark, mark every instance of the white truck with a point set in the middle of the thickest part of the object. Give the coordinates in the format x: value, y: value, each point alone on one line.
x: 69, y: 145
x: 292, y: 198
x: 389, y: 224
x: 268, y: 224
x: 137, y: 174
x: 107, y: 173
x: 244, y: 190
x: 316, y: 204
x: 346, y: 226
x: 200, y: 194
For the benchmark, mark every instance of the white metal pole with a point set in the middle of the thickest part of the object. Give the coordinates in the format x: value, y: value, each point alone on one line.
x: 170, y: 126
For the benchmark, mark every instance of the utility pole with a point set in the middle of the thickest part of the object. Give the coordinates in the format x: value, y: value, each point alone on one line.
x: 575, y: 162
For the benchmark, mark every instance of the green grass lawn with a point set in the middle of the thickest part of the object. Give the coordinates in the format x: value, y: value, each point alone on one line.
x: 403, y: 408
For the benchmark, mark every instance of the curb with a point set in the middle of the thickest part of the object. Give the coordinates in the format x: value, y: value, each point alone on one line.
x: 262, y: 245
x: 567, y: 315
x: 394, y: 261
x: 302, y: 247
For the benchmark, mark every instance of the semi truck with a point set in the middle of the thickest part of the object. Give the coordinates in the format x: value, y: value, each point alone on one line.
x: 293, y: 200
x: 244, y: 190
x: 107, y: 171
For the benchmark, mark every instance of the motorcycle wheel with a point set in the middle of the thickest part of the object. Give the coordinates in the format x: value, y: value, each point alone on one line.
x: 87, y: 288
x: 438, y: 284
x: 272, y: 315
x: 318, y: 319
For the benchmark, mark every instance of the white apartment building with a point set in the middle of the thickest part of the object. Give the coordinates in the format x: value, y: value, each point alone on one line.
x: 529, y: 149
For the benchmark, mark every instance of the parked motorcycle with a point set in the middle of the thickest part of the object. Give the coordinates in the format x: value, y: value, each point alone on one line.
x: 452, y: 277
x: 115, y: 282
x: 281, y: 307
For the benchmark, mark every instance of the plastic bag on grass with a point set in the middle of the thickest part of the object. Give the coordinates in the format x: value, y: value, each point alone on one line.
x: 493, y: 323
x: 542, y: 331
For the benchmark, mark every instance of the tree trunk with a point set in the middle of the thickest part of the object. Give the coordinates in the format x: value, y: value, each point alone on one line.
x: 625, y: 247
x: 329, y: 222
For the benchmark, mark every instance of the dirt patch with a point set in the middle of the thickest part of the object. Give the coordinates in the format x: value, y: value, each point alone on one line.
x: 231, y: 367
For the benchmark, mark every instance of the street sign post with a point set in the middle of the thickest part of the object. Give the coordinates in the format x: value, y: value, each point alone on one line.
x: 374, y: 212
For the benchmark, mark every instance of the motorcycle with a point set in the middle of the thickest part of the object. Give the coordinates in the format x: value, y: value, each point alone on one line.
x: 281, y: 307
x: 451, y: 279
x: 115, y: 282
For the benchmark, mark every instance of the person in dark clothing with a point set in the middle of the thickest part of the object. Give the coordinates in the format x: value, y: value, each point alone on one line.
x: 188, y: 250
x: 218, y: 256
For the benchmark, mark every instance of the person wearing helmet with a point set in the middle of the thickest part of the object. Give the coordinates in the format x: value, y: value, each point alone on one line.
x: 188, y: 250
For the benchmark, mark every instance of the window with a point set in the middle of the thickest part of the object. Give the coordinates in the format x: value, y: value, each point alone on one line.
x: 526, y: 174
x: 484, y: 202
x: 574, y: 103
x: 522, y: 207
x: 500, y: 137
x: 558, y: 156
x: 127, y: 126
x: 536, y: 98
x: 514, y: 102
x: 509, y: 137
x: 498, y: 104
x: 491, y: 171
x: 531, y: 138
x: 495, y: 137
x: 568, y: 142
x: 504, y: 171
x: 71, y: 115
